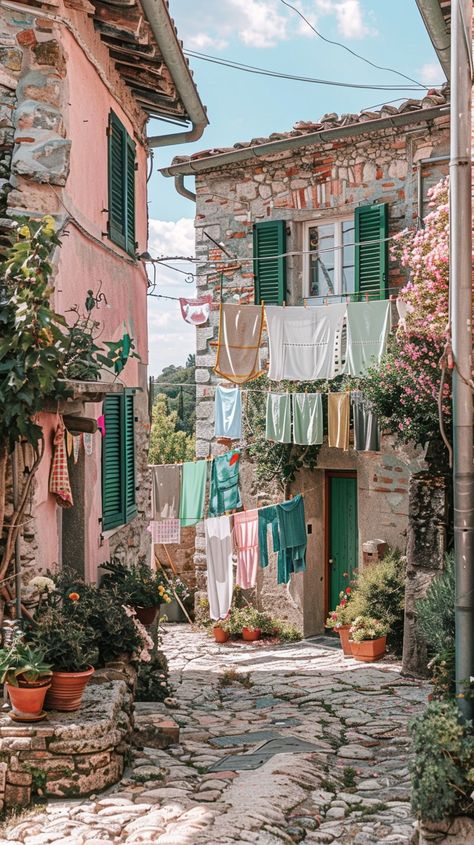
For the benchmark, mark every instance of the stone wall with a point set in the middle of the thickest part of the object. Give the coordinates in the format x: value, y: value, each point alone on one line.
x: 70, y: 754
x: 182, y: 555
x: 311, y: 183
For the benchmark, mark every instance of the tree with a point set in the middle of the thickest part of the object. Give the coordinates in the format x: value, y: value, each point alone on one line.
x: 180, y: 399
x: 167, y: 445
x: 410, y: 388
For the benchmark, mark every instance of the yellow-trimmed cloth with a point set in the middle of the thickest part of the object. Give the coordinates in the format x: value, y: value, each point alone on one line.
x: 238, y: 343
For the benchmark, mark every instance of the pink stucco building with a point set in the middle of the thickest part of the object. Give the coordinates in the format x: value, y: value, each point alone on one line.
x: 78, y: 83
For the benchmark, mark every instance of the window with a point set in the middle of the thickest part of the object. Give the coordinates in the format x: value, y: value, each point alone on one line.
x: 118, y: 460
x: 331, y: 272
x: 121, y: 186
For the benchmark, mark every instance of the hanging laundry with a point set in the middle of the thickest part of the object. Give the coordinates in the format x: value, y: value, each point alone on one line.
x: 368, y: 327
x: 193, y: 492
x: 278, y: 419
x: 246, y: 546
x: 219, y: 565
x: 165, y: 531
x: 366, y: 427
x: 88, y: 441
x: 101, y: 424
x: 165, y: 491
x: 59, y: 484
x: 196, y: 311
x: 338, y: 420
x: 238, y: 345
x: 69, y: 443
x: 403, y: 308
x: 228, y: 412
x: 302, y: 341
x: 76, y: 446
x: 225, y: 491
x: 267, y: 516
x: 308, y: 429
x: 293, y: 539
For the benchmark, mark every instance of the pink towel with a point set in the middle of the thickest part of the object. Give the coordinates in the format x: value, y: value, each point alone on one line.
x: 246, y: 546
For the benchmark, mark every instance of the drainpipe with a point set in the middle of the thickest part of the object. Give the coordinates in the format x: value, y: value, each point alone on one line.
x: 430, y: 11
x: 182, y: 189
x: 158, y: 16
x: 461, y: 327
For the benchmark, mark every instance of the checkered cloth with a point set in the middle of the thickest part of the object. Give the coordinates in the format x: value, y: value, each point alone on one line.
x: 165, y: 531
x: 59, y: 477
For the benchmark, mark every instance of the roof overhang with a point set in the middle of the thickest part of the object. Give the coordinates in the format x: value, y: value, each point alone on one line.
x: 436, y: 16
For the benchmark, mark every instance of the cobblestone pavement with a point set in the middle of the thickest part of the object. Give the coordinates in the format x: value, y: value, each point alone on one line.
x: 279, y: 744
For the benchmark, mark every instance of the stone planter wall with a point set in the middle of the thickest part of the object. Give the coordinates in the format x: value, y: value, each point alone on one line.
x: 69, y: 754
x: 457, y: 831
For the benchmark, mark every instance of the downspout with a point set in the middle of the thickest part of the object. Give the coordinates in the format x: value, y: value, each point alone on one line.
x: 182, y: 189
x: 430, y: 11
x: 158, y: 16
x: 461, y: 329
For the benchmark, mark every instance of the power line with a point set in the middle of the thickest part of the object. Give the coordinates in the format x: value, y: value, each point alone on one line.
x: 345, y: 47
x: 294, y: 78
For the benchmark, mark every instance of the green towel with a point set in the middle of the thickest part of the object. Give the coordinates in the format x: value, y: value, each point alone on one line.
x: 293, y: 540
x: 368, y: 327
x: 307, y: 418
x: 225, y: 491
x: 278, y: 421
x: 267, y: 516
x: 193, y: 492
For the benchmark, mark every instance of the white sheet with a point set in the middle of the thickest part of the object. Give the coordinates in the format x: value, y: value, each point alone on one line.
x: 302, y: 341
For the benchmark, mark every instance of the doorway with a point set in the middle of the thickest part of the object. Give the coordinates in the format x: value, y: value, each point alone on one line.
x: 342, y: 533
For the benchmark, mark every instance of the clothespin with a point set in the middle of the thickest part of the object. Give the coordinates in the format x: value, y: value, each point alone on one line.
x: 305, y: 303
x: 366, y: 297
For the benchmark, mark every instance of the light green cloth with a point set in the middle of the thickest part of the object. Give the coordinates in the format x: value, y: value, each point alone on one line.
x: 368, y: 327
x: 307, y: 418
x: 225, y: 491
x: 278, y: 421
x: 193, y: 492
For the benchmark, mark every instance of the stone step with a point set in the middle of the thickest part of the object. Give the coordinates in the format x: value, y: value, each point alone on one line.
x: 155, y: 730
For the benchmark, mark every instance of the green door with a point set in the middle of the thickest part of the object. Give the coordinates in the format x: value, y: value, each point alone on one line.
x: 343, y: 534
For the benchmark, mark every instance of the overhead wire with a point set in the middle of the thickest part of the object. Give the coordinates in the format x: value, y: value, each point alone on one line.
x: 345, y: 47
x: 259, y: 71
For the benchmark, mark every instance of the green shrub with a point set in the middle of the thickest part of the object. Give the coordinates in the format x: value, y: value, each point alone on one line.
x: 443, y: 769
x: 67, y: 644
x: 435, y: 620
x: 152, y: 680
x: 379, y: 592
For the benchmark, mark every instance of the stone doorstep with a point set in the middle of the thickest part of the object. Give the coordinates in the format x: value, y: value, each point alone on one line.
x: 155, y: 731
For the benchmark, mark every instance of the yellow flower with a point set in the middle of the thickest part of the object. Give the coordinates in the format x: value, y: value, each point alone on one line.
x: 161, y: 589
x: 49, y: 226
x: 166, y: 598
x: 24, y: 232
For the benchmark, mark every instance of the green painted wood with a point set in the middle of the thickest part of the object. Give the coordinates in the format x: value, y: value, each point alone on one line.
x: 121, y: 164
x: 371, y: 258
x: 269, y: 239
x: 113, y: 510
x: 129, y: 455
x: 343, y: 535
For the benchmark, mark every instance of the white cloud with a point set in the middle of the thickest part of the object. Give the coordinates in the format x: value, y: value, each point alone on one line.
x: 170, y: 339
x: 431, y: 73
x: 350, y: 20
x: 260, y: 24
x: 202, y: 41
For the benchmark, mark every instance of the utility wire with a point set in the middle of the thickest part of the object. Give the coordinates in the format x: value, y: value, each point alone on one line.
x: 344, y: 46
x: 295, y: 78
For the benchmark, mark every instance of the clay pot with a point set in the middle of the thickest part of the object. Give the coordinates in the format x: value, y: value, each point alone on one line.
x: 28, y: 700
x: 66, y: 690
x: 251, y: 634
x: 146, y: 615
x: 369, y: 650
x: 344, y: 636
x: 220, y: 635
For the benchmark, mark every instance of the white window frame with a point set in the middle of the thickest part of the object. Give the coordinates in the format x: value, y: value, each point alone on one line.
x: 336, y: 222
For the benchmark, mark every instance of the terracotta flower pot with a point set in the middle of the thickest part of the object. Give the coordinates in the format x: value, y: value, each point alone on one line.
x: 146, y: 615
x: 369, y: 650
x: 344, y: 636
x: 251, y: 634
x: 28, y: 700
x: 66, y: 690
x: 220, y: 635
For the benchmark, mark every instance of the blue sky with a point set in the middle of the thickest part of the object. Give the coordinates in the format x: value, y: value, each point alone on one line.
x: 241, y: 106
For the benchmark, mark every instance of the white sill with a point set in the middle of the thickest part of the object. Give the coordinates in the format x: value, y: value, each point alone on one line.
x: 106, y: 535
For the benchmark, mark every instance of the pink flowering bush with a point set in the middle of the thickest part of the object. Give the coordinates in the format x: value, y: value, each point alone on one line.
x: 405, y: 386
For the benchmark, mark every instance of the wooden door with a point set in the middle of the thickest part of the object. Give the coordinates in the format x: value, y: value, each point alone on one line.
x: 342, y: 533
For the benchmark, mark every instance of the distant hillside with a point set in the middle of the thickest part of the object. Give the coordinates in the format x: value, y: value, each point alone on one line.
x: 181, y: 400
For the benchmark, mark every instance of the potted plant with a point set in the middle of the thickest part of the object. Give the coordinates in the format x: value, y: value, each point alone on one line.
x: 27, y: 677
x: 221, y: 630
x: 177, y: 590
x: 138, y: 587
x: 368, y: 638
x: 250, y: 622
x: 340, y: 620
x: 69, y: 646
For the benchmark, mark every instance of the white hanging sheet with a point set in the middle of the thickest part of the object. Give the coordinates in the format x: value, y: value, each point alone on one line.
x: 302, y: 341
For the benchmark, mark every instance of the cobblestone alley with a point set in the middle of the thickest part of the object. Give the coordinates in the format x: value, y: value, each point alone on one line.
x: 278, y: 744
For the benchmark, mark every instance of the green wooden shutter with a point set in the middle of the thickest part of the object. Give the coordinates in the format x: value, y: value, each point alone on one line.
x: 113, y: 506
x: 130, y: 196
x: 371, y: 259
x: 129, y: 455
x: 117, y: 165
x: 269, y: 239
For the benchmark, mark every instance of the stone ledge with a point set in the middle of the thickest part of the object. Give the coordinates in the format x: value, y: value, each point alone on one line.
x: 70, y: 754
x: 154, y: 727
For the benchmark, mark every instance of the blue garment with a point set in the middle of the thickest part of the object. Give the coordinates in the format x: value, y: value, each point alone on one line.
x: 293, y: 539
x: 267, y: 516
x: 224, y: 493
x: 228, y: 412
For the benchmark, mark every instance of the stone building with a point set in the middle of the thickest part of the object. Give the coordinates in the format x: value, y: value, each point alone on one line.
x: 316, y: 187
x: 79, y: 81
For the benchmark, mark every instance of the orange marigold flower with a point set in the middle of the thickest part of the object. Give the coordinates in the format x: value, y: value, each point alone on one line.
x: 74, y: 596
